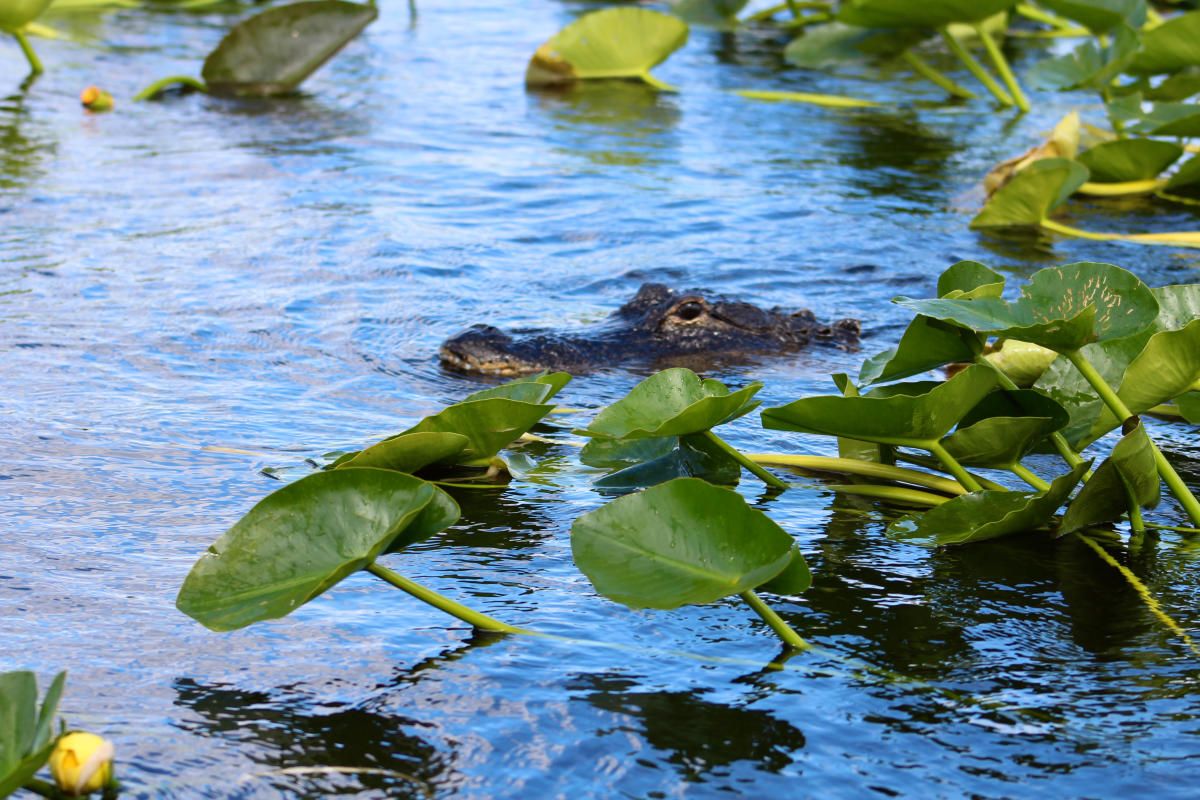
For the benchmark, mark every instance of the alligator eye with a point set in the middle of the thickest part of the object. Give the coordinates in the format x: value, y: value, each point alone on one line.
x: 689, y: 311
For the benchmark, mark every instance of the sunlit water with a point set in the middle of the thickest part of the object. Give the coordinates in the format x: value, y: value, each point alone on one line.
x: 183, y: 279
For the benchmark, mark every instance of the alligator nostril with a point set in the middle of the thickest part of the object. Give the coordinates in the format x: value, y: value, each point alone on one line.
x: 689, y: 311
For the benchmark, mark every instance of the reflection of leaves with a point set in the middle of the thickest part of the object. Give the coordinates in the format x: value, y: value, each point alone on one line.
x: 695, y: 457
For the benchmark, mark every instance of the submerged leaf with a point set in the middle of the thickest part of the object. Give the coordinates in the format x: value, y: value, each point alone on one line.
x: 610, y: 43
x: 678, y: 543
x: 273, y: 51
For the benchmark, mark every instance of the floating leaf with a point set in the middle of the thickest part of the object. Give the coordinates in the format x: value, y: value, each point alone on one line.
x: 678, y: 543
x: 1061, y: 308
x: 407, y: 452
x: 833, y: 43
x: 854, y: 448
x: 1129, y: 159
x: 915, y: 420
x: 606, y: 453
x: 305, y: 538
x: 1004, y: 427
x: 273, y: 51
x: 978, y: 516
x: 1189, y: 406
x: 1179, y: 86
x: 695, y: 457
x: 1099, y: 16
x: 610, y: 43
x: 926, y: 344
x: 1032, y: 194
x: 673, y: 402
x: 925, y: 14
x: 529, y: 389
x: 1169, y: 48
x: 719, y: 14
x: 1128, y: 473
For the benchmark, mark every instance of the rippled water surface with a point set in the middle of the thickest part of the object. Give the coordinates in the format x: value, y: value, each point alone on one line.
x: 194, y: 290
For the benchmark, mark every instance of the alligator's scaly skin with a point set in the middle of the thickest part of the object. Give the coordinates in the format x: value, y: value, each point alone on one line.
x: 658, y: 326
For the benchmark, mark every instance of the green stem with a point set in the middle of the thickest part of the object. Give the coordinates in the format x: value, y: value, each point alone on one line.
x: 737, y: 456
x: 894, y: 494
x: 867, y: 469
x: 1058, y: 227
x: 1122, y: 413
x: 956, y: 469
x: 767, y: 13
x: 794, y: 8
x: 785, y: 632
x: 43, y: 788
x: 1136, y: 524
x: 657, y: 84
x: 975, y: 67
x: 153, y: 89
x: 1038, y: 15
x: 467, y: 615
x: 1022, y: 472
x: 35, y: 66
x: 929, y: 73
x: 1142, y: 591
x: 1177, y: 528
x: 1002, y: 67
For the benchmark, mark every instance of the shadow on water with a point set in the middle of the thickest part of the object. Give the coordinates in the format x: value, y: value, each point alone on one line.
x: 895, y: 155
x: 20, y: 154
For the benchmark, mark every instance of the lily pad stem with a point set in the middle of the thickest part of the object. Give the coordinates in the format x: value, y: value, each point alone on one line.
x: 1142, y: 591
x: 44, y: 788
x: 1038, y: 15
x: 737, y: 456
x: 155, y: 88
x: 975, y: 67
x: 889, y: 494
x: 951, y: 464
x: 1001, y: 63
x: 441, y: 602
x: 1176, y: 239
x: 929, y: 73
x: 657, y: 84
x: 35, y: 66
x: 1122, y: 413
x: 785, y: 632
x: 867, y: 469
x: 1023, y: 472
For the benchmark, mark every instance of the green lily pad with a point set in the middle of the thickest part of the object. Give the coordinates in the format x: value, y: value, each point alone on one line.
x: 1133, y: 159
x: 305, y: 538
x: 679, y: 543
x: 1088, y: 66
x: 490, y: 424
x: 673, y: 402
x: 1180, y: 86
x: 967, y: 280
x: 1189, y: 406
x: 607, y: 453
x: 1062, y: 308
x: 1032, y: 194
x: 910, y: 420
x: 927, y: 344
x: 1128, y: 473
x: 610, y: 43
x: 719, y: 14
x: 26, y: 734
x: 695, y: 457
x: 1024, y: 363
x: 408, y: 452
x: 1187, y: 175
x: 834, y: 43
x: 925, y: 14
x: 1170, y: 119
x: 1100, y: 16
x: 854, y: 448
x: 795, y: 578
x: 1170, y: 47
x: 16, y: 14
x: 978, y: 516
x: 273, y: 51
x: 1004, y: 427
x: 529, y: 389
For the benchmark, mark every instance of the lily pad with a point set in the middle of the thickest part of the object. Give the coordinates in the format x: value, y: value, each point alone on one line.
x: 1004, y: 427
x: 978, y: 516
x: 855, y: 448
x: 610, y: 43
x: 967, y: 280
x: 305, y: 538
x: 679, y: 543
x: 1088, y: 66
x: 833, y: 43
x: 1189, y: 406
x: 1134, y: 159
x: 1062, y: 308
x: 26, y: 734
x: 1100, y: 16
x: 695, y: 457
x: 925, y: 14
x: 719, y: 14
x: 1170, y: 119
x: 273, y: 51
x: 1032, y: 194
x: 1187, y: 175
x: 1128, y: 473
x: 1170, y: 47
x: 673, y: 402
x: 606, y: 453
x: 927, y: 344
x: 530, y: 389
x: 914, y: 420
x: 16, y: 14
x: 408, y: 452
x: 795, y: 578
x: 490, y: 424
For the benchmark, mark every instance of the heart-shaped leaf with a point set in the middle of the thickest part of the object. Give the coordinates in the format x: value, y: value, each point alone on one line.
x: 967, y: 280
x: 1004, y: 427
x: 795, y: 578
x: 1099, y: 16
x: 978, y: 516
x: 305, y: 538
x: 719, y: 14
x: 673, y: 402
x: 607, y: 453
x: 529, y: 389
x: 1187, y: 175
x: 1170, y: 119
x: 1061, y: 308
x: 408, y: 452
x: 823, y: 45
x: 1169, y: 48
x: 1129, y: 473
x: 1088, y: 66
x: 926, y: 344
x: 918, y: 420
x: 1132, y: 159
x: 1032, y: 194
x: 678, y: 543
x: 273, y: 51
x: 490, y: 424
x: 610, y: 43
x: 925, y: 14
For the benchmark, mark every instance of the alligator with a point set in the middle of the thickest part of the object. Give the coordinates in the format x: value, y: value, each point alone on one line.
x: 657, y: 327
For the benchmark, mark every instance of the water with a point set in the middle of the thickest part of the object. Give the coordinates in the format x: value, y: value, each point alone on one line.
x: 195, y: 290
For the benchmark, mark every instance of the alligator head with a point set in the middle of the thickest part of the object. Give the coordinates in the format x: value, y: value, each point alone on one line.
x: 658, y: 326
